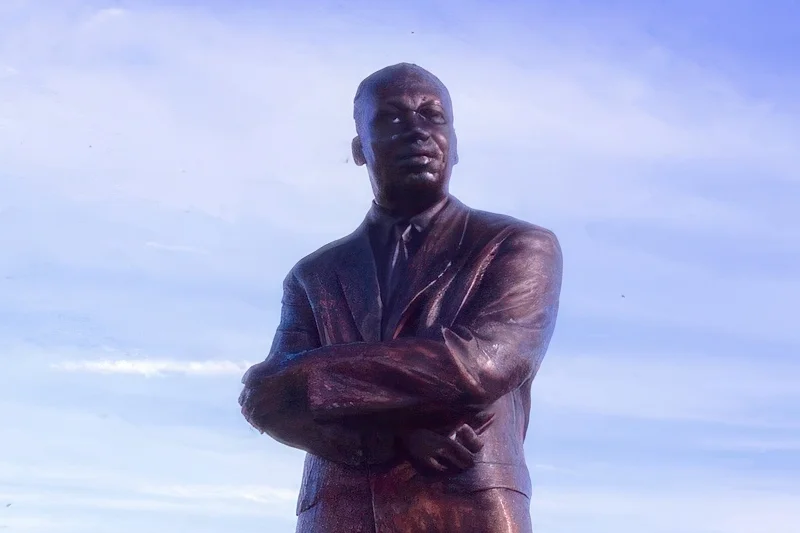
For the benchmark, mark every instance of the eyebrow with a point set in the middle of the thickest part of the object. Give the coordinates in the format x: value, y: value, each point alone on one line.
x: 396, y: 103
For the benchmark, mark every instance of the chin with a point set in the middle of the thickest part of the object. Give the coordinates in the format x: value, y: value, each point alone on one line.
x: 431, y: 173
x: 423, y: 187
x: 423, y: 182
x: 422, y: 177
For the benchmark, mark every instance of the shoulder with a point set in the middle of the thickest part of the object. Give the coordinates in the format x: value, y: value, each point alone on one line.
x: 516, y: 233
x: 521, y: 252
x: 324, y: 257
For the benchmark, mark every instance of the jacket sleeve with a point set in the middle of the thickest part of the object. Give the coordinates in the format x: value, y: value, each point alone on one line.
x: 276, y: 403
x: 496, y: 343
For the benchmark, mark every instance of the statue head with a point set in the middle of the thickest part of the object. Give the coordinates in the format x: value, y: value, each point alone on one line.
x: 405, y: 137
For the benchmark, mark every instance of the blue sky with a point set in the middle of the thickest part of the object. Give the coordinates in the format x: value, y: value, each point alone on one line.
x: 154, y: 191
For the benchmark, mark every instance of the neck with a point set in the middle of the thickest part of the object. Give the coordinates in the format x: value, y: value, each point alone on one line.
x: 410, y: 207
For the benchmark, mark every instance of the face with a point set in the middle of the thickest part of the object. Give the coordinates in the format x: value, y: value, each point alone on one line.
x: 406, y: 139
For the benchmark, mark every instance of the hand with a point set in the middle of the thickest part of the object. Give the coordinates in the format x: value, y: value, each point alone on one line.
x: 258, y: 393
x: 248, y: 394
x: 248, y: 402
x: 446, y: 454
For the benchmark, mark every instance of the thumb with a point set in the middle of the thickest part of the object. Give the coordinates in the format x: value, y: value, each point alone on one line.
x: 468, y: 438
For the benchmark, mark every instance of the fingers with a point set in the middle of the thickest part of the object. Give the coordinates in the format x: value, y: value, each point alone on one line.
x: 455, y: 455
x: 255, y: 373
x: 482, y: 422
x: 469, y: 438
x: 435, y: 465
x: 248, y: 404
x: 250, y: 374
x: 441, y: 453
x: 468, y: 435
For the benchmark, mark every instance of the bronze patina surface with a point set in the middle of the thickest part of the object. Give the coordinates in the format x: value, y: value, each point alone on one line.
x: 405, y: 353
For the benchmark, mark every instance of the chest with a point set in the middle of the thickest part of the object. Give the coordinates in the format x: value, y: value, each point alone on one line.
x: 349, y: 304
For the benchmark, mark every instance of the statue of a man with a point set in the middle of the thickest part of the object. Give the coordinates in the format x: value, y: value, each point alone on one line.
x: 405, y: 353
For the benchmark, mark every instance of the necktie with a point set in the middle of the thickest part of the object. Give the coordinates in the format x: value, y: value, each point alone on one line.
x: 398, y: 270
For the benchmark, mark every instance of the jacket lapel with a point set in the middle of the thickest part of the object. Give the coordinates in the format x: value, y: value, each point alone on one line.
x: 357, y: 277
x: 430, y: 262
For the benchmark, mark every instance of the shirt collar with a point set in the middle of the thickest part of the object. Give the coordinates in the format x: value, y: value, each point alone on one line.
x: 384, y: 220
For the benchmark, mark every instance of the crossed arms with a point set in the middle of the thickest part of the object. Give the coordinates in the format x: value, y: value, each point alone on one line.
x: 332, y: 401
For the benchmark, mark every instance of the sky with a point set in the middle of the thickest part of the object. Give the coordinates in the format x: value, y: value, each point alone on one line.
x: 164, y: 164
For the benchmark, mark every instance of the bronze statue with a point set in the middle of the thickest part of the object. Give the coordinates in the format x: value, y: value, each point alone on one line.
x: 405, y: 353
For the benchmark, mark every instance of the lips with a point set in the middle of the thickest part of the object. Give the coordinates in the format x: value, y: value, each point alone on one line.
x: 421, y: 160
x: 417, y: 157
x: 420, y: 163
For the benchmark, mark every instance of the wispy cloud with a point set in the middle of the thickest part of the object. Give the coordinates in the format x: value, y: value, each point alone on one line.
x: 605, y: 111
x: 166, y: 181
x: 752, y: 445
x: 256, y: 493
x: 686, y: 386
x: 734, y: 510
x: 175, y: 248
x: 148, y: 367
x: 160, y: 501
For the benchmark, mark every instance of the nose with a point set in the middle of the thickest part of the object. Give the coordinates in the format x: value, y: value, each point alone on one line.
x: 415, y: 134
x: 419, y: 134
x: 417, y: 131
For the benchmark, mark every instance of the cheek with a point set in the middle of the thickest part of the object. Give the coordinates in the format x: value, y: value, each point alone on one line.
x: 377, y: 151
x: 444, y: 144
x: 368, y: 149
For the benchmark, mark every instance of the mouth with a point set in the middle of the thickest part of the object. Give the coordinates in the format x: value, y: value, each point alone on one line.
x: 418, y: 158
x: 415, y: 160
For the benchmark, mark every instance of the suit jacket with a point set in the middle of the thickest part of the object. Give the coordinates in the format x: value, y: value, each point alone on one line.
x: 467, y: 335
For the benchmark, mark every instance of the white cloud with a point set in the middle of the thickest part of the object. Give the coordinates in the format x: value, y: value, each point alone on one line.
x: 715, y: 509
x: 12, y: 522
x: 255, y: 493
x: 106, y: 15
x: 61, y: 458
x: 151, y: 368
x: 221, y: 135
x: 157, y: 503
x: 672, y: 387
x: 752, y: 445
x: 163, y: 177
x: 196, y: 121
x: 175, y: 248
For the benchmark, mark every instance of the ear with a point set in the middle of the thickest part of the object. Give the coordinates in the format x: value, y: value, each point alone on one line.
x: 358, y: 152
x: 454, y: 149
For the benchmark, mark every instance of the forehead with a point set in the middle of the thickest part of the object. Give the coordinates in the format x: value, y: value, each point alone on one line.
x: 408, y: 89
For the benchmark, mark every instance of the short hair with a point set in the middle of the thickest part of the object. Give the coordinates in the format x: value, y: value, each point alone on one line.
x: 408, y: 70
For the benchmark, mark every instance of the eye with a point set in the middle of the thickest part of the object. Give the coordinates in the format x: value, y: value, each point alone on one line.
x: 437, y: 117
x: 392, y: 117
